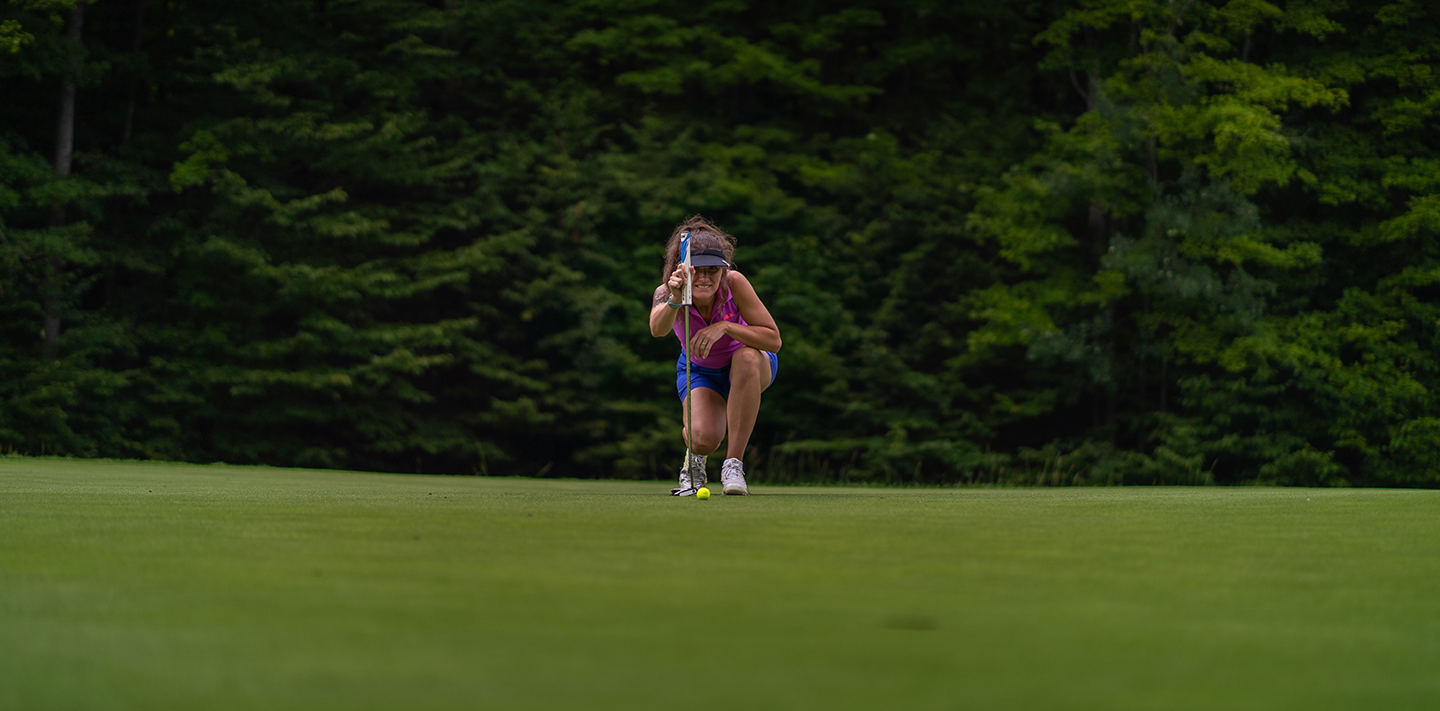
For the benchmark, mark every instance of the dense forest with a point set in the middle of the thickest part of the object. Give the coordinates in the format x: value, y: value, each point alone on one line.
x: 1061, y: 242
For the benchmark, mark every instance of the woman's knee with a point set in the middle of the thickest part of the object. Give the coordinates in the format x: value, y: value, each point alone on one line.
x: 708, y: 418
x: 748, y: 355
x: 748, y: 361
x: 707, y: 439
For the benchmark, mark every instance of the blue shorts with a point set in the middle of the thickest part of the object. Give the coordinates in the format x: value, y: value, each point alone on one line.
x: 717, y: 379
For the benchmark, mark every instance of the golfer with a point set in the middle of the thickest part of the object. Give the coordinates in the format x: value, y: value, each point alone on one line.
x: 732, y: 349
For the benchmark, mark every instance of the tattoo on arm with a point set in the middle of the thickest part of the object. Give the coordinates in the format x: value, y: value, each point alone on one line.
x: 661, y: 296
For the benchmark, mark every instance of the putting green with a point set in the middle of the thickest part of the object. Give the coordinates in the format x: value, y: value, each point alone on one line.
x: 129, y: 585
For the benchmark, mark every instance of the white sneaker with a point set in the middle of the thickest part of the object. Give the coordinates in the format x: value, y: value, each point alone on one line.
x: 692, y: 476
x: 732, y: 477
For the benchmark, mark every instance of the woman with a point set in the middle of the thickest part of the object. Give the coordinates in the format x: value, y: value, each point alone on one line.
x: 733, y: 342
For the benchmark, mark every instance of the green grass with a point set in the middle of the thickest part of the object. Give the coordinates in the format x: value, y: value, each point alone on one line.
x: 167, y: 586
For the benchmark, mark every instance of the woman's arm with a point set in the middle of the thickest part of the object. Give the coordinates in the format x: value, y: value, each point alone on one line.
x: 761, y: 333
x: 662, y: 317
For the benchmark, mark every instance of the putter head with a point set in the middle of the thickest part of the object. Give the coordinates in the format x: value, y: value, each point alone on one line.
x: 690, y: 481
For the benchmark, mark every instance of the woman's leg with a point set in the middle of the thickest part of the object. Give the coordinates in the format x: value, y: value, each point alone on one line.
x: 708, y: 410
x: 749, y: 376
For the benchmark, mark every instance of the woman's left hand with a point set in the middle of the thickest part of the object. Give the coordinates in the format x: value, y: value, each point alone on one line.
x: 704, y: 340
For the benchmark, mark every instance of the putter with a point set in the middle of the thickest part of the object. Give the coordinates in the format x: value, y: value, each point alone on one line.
x: 689, y: 424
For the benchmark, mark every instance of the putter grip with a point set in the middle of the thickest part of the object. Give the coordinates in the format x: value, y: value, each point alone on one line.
x: 685, y: 259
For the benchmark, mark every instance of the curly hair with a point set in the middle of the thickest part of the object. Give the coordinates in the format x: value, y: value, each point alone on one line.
x: 704, y: 234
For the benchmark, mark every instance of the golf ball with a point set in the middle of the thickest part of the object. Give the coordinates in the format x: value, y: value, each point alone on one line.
x: 702, y: 494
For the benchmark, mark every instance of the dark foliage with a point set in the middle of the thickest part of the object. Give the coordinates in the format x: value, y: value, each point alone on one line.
x: 1048, y: 243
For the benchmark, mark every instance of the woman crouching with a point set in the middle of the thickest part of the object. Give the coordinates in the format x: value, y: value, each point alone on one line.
x: 732, y: 348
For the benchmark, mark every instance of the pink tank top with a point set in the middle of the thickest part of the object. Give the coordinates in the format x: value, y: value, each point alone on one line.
x: 723, y: 310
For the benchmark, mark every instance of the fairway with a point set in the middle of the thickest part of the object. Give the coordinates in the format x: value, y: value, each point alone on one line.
x: 141, y: 586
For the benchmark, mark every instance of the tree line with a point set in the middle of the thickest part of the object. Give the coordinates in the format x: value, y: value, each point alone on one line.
x: 1065, y: 242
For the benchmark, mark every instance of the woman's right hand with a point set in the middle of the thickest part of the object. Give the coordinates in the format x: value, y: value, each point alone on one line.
x: 676, y: 284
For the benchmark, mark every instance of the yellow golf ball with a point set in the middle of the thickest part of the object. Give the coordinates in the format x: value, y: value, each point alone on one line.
x: 702, y: 494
